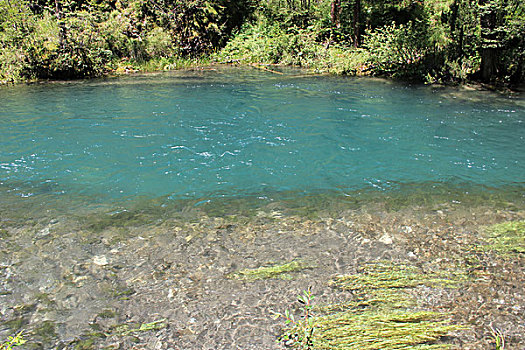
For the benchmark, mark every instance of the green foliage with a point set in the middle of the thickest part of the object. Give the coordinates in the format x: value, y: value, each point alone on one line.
x: 435, y: 40
x: 69, y: 39
x: 266, y: 43
x: 398, y: 50
x: 16, y: 22
x: 271, y: 44
x: 303, y: 328
x: 159, y: 64
x: 159, y: 44
x: 513, y: 42
x: 13, y: 341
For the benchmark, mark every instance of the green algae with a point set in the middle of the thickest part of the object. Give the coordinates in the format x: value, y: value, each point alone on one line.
x: 107, y: 313
x: 280, y: 271
x: 15, y: 323
x: 127, y: 330
x: 84, y: 344
x: 507, y: 238
x: 123, y: 294
x: 88, y: 341
x: 382, y: 314
x: 20, y: 318
x: 45, y: 299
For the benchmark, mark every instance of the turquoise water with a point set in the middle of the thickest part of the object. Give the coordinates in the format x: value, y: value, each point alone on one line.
x: 241, y: 132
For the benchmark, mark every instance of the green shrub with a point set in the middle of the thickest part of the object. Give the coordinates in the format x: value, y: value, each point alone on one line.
x: 16, y: 23
x: 398, y: 50
x: 113, y: 30
x: 159, y: 43
x: 268, y: 43
x: 11, y: 65
x: 79, y: 53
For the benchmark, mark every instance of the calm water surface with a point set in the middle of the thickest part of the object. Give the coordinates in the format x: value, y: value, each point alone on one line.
x: 240, y: 132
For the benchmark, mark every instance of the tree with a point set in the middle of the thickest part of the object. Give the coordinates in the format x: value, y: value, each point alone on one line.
x: 490, y: 41
x: 356, y: 22
x: 335, y: 13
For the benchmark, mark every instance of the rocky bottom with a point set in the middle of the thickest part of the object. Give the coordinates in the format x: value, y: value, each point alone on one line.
x: 133, y: 280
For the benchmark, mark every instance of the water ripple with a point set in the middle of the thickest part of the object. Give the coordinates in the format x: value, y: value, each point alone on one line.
x: 236, y: 133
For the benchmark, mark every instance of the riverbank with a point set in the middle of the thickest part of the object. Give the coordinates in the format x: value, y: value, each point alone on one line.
x: 130, y: 68
x: 168, y: 277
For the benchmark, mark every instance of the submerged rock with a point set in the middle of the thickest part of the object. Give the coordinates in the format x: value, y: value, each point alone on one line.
x: 100, y: 260
x: 386, y: 239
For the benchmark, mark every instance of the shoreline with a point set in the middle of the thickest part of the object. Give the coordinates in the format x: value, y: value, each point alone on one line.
x: 467, y: 85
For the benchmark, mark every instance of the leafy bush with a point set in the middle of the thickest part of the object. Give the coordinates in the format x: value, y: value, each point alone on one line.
x: 113, y: 31
x: 16, y: 22
x: 78, y: 54
x: 159, y: 43
x: 398, y: 50
x: 271, y: 44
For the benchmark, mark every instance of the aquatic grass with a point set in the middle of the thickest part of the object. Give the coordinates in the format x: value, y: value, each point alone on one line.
x: 382, y: 314
x: 303, y: 326
x: 391, y: 298
x: 498, y: 338
x: 507, y: 238
x: 380, y: 329
x: 384, y: 275
x: 273, y: 271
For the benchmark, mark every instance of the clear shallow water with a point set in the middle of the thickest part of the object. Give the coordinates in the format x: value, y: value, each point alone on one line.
x: 239, y: 132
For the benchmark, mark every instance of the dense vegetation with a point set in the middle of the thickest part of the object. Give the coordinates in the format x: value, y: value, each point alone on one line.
x: 433, y: 40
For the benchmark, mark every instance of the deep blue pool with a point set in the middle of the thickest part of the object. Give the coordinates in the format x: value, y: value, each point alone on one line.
x: 244, y: 132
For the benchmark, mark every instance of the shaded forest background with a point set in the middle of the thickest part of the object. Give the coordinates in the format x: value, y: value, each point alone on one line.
x: 431, y: 40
